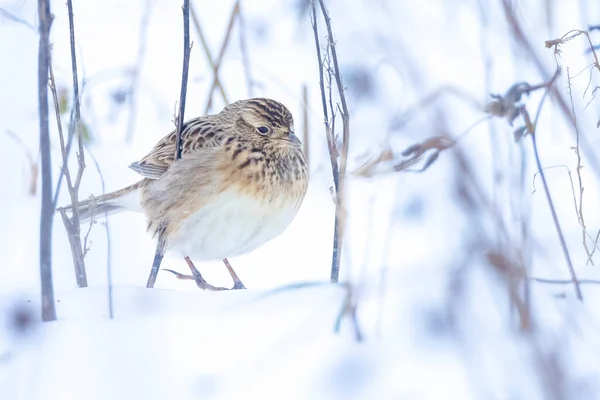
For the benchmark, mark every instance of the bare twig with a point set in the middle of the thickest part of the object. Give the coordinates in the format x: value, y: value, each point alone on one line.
x: 87, y: 245
x: 64, y: 150
x: 72, y: 225
x: 341, y: 91
x: 531, y: 127
x: 572, y: 35
x: 328, y: 132
x: 217, y: 64
x: 338, y: 170
x: 575, y: 204
x: 564, y: 281
x: 14, y: 18
x: 305, y: 127
x: 75, y: 126
x: 109, y: 279
x: 506, y: 107
x: 579, y: 204
x: 596, y: 242
x: 206, y: 50
x: 69, y: 226
x: 184, y: 75
x: 47, y: 210
x: 161, y: 244
x: 523, y: 40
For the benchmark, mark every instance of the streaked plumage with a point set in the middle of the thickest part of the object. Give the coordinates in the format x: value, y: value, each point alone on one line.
x: 239, y: 183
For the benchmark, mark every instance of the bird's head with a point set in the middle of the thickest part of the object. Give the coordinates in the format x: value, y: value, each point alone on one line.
x: 266, y: 118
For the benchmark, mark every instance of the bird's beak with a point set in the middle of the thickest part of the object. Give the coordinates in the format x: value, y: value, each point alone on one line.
x: 293, y: 139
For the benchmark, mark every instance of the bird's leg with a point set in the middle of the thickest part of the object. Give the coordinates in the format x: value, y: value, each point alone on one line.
x: 201, y: 283
x: 197, y: 277
x: 237, y: 283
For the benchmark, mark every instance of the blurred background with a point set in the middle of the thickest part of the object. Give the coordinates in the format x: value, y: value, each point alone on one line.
x: 456, y: 279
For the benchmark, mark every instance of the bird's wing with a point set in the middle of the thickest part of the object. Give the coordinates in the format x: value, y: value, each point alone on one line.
x: 196, y: 134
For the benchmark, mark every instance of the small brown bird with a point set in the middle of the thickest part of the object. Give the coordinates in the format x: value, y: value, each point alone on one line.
x: 239, y: 183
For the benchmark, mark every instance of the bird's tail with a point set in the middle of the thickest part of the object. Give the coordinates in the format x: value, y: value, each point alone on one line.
x: 107, y: 204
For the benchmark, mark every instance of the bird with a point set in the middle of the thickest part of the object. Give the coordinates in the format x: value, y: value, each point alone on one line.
x: 239, y: 183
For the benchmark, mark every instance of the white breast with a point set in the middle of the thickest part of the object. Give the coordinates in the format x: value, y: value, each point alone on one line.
x: 234, y: 224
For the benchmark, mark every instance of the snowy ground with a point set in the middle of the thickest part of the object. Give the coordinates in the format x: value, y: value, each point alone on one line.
x: 436, y: 320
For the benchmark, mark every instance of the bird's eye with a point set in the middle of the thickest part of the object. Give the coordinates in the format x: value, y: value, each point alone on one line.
x: 263, y: 129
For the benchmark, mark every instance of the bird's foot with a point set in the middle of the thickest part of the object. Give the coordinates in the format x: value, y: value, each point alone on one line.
x: 237, y: 283
x: 200, y: 282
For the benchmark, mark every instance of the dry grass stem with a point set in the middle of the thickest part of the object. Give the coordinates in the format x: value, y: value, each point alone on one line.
x: 75, y: 131
x: 206, y: 50
x: 217, y: 64
x: 160, y: 245
x: 48, y: 310
x: 305, y: 126
x: 338, y: 157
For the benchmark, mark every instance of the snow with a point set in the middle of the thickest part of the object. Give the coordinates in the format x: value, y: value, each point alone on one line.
x: 436, y: 318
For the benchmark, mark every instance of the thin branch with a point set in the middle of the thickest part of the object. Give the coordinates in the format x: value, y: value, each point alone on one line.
x: 64, y: 149
x: 579, y: 204
x: 564, y: 281
x: 75, y: 126
x: 217, y: 65
x: 76, y: 250
x: 47, y: 211
x: 596, y: 242
x: 109, y: 279
x: 531, y: 127
x: 341, y: 90
x: 184, y: 75
x: 340, y: 211
x: 571, y: 35
x: 523, y: 40
x: 161, y: 244
x: 16, y: 19
x: 305, y: 127
x: 72, y: 226
x: 331, y: 145
x: 86, y: 245
x: 574, y: 197
x: 206, y: 49
x: 328, y: 134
